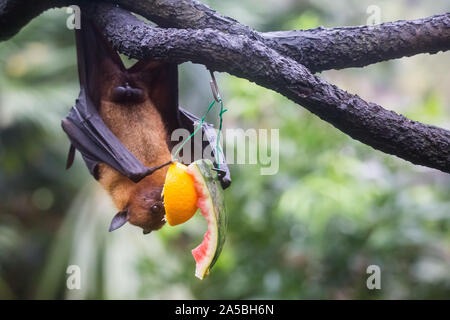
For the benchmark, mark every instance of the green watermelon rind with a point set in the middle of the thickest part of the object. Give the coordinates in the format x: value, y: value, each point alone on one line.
x: 208, y: 185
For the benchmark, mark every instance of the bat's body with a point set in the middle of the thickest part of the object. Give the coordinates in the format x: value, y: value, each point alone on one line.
x: 138, y: 124
x: 133, y: 131
x: 122, y: 123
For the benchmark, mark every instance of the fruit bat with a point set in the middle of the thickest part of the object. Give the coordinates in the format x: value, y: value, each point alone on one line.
x: 121, y: 124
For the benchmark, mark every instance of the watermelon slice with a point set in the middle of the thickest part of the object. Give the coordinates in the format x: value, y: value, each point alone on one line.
x: 211, y: 202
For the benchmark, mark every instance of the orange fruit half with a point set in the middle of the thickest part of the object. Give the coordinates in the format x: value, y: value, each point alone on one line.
x: 180, y: 197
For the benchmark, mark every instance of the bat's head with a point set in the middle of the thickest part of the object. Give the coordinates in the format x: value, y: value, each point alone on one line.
x: 145, y: 209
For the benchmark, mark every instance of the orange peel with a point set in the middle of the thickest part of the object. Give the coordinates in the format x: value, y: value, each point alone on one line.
x: 180, y: 196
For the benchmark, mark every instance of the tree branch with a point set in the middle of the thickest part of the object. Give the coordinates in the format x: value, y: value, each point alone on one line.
x: 241, y: 56
x: 337, y: 48
x: 318, y: 49
x: 15, y: 14
x: 242, y: 52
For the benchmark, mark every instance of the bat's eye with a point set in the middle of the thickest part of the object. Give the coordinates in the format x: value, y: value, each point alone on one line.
x: 156, y: 208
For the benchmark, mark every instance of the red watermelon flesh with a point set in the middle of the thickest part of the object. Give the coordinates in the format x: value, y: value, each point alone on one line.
x: 212, y: 205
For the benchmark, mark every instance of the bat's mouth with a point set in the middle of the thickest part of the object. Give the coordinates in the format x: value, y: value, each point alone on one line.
x: 155, y: 226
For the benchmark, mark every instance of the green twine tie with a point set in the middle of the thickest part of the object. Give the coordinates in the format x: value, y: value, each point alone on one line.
x: 218, y: 148
x: 202, y: 120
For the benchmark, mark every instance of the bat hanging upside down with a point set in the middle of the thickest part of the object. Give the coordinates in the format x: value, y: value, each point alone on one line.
x: 122, y: 123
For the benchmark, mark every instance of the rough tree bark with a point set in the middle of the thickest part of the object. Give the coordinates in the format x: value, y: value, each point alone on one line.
x: 274, y: 60
x: 317, y: 49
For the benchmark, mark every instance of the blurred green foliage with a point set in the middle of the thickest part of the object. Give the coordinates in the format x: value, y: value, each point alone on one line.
x: 335, y: 207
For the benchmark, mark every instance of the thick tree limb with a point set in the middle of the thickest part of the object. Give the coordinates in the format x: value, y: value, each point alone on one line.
x: 239, y: 55
x: 185, y: 14
x: 318, y: 49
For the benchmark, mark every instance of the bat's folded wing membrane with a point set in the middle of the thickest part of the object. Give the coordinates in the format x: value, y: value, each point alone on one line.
x: 97, y: 144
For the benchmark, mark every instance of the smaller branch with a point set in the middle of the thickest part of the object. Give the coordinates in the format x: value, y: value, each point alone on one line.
x: 185, y: 14
x: 337, y: 48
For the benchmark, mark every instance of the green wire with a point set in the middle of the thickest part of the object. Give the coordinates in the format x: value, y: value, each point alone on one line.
x: 196, y: 129
x: 202, y: 120
x: 218, y: 148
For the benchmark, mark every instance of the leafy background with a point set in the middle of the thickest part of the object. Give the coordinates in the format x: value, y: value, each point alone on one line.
x: 335, y: 207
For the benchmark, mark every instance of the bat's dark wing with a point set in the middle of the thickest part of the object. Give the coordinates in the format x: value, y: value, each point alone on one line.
x: 189, y: 121
x: 96, y: 143
x: 84, y: 125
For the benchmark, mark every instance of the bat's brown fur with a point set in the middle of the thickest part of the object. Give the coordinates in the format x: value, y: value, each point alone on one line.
x: 140, y: 127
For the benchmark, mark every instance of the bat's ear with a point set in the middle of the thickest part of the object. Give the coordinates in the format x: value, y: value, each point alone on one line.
x: 119, y: 220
